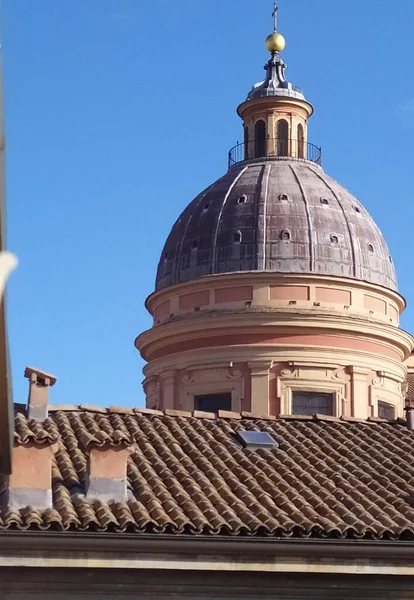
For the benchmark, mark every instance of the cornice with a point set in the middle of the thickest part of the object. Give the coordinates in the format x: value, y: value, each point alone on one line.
x: 279, y: 323
x: 319, y: 355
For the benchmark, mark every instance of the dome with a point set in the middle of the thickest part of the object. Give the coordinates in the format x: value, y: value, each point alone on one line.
x: 283, y: 215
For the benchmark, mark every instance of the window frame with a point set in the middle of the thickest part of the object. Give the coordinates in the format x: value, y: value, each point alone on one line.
x: 295, y: 379
x: 314, y: 393
x: 260, y: 141
x: 300, y: 140
x: 282, y: 137
x: 389, y: 405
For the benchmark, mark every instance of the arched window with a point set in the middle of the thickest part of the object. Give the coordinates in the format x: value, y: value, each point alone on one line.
x: 301, y: 141
x: 260, y: 139
x: 246, y: 143
x: 282, y: 138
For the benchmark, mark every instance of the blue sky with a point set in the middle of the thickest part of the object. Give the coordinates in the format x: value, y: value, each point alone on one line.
x: 118, y: 112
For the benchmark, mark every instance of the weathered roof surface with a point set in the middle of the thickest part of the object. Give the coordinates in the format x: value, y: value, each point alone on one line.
x: 189, y: 475
x: 410, y: 388
x: 263, y: 202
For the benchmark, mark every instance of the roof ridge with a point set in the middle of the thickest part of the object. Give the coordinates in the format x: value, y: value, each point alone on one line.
x: 222, y: 414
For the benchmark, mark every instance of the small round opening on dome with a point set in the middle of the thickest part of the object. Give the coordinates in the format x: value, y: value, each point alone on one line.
x: 324, y: 201
x: 237, y: 237
x: 242, y: 199
x: 285, y: 235
x: 206, y: 207
x: 194, y: 245
x: 390, y: 259
x: 357, y: 209
x: 284, y: 198
x: 334, y: 239
x: 370, y: 248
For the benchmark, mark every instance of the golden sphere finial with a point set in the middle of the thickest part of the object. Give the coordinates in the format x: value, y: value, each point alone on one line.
x: 275, y: 42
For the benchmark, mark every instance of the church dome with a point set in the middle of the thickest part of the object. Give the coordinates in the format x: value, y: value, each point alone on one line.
x: 281, y: 215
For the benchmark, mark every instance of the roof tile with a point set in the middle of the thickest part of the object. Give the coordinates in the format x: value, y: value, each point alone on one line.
x: 189, y: 475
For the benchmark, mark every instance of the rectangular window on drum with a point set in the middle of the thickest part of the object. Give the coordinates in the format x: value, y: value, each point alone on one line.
x: 212, y: 402
x: 386, y: 411
x: 311, y: 403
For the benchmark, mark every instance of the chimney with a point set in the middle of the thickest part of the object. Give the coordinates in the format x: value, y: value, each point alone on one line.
x: 410, y: 417
x: 107, y: 476
x: 30, y: 483
x: 39, y: 383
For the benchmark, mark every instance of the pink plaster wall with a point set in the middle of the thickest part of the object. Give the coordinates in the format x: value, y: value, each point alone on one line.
x: 162, y: 310
x: 328, y: 294
x: 194, y: 299
x: 289, y: 292
x: 393, y: 312
x: 246, y: 402
x: 274, y: 401
x: 375, y: 304
x: 330, y: 341
x: 233, y: 294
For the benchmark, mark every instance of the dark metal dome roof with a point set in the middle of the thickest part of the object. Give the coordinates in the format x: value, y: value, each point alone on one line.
x: 283, y: 215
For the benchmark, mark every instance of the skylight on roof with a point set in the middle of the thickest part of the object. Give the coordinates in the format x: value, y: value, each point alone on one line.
x: 254, y: 440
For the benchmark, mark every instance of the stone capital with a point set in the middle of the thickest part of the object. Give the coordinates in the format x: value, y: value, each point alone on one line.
x: 258, y: 368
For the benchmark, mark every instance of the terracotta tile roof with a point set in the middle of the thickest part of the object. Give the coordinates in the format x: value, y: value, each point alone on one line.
x: 410, y: 387
x: 188, y: 475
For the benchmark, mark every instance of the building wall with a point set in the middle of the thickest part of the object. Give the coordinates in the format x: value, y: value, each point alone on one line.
x: 96, y: 584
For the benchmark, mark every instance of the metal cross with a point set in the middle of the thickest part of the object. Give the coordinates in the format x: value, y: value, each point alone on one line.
x: 274, y: 15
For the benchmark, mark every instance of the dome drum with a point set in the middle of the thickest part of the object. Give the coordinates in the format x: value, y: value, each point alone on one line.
x: 271, y: 292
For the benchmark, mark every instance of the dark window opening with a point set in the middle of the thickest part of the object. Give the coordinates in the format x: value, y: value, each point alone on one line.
x: 194, y: 245
x: 284, y: 198
x: 212, y: 402
x: 285, y: 235
x: 386, y: 411
x: 324, y: 201
x: 242, y: 199
x: 282, y: 138
x: 357, y: 209
x: 237, y: 237
x: 246, y: 143
x: 301, y: 141
x: 370, y: 248
x: 312, y: 403
x: 334, y: 239
x: 260, y: 139
x: 206, y: 207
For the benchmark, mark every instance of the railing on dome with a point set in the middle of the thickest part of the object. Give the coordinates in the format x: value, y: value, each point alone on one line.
x: 273, y: 148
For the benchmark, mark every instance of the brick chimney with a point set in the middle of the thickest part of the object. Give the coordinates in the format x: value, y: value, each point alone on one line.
x: 107, y: 475
x: 30, y: 483
x: 39, y: 383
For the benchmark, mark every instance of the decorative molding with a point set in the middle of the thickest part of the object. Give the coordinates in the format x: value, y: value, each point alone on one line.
x: 322, y: 380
